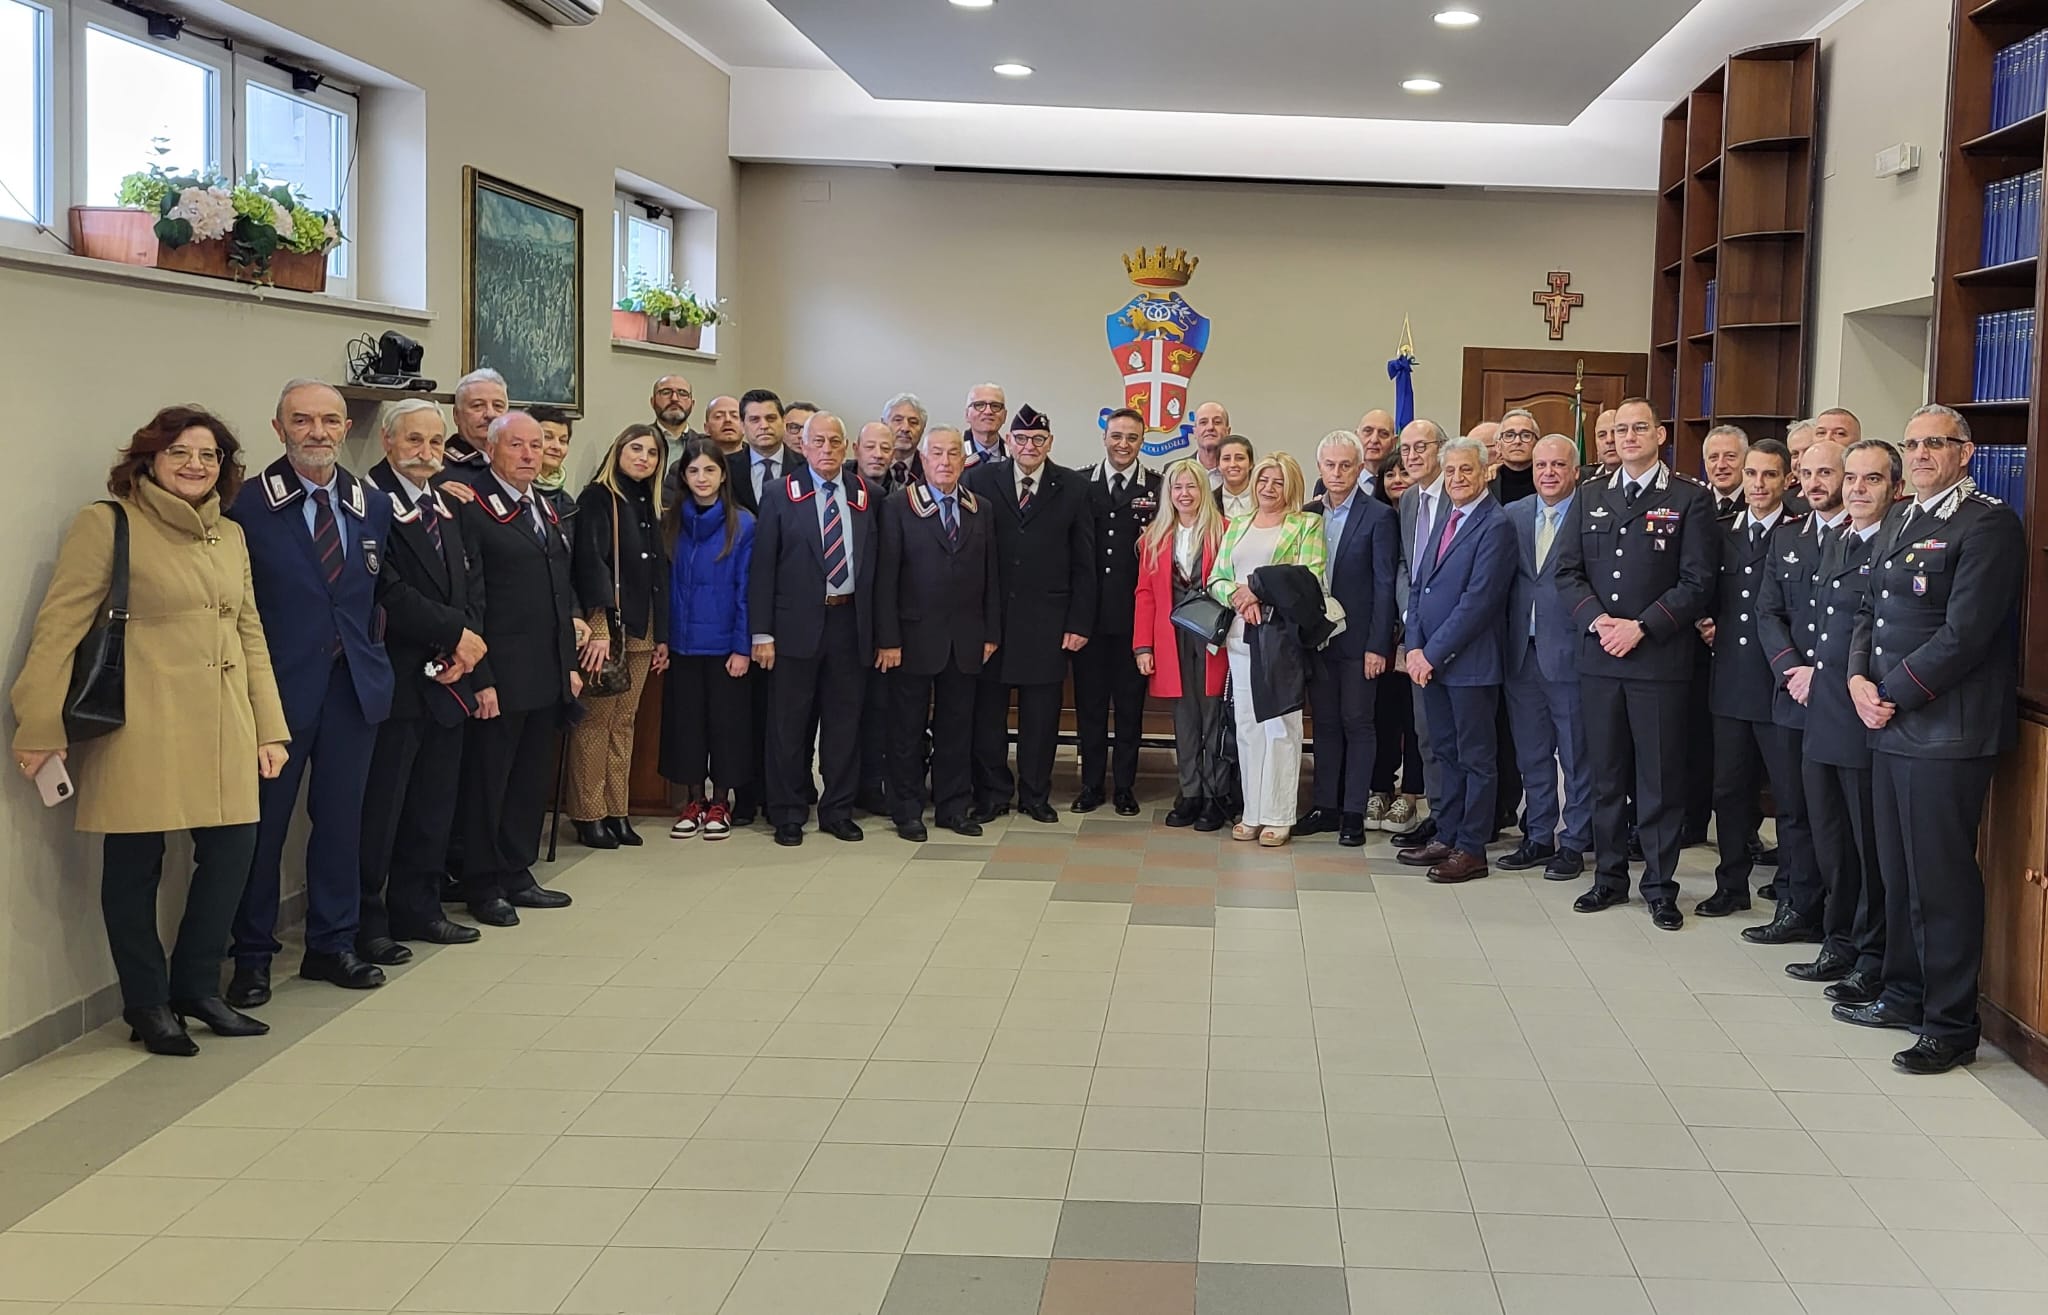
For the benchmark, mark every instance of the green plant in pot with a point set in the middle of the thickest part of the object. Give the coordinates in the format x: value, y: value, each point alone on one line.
x: 256, y: 219
x: 675, y: 314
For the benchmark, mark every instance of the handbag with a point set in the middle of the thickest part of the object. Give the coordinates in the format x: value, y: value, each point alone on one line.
x: 97, y: 701
x: 1203, y: 617
x: 612, y: 677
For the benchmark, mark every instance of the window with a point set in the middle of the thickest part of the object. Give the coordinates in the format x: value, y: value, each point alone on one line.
x: 24, y: 90
x: 660, y: 236
x: 645, y: 253
x: 305, y: 139
x: 145, y: 104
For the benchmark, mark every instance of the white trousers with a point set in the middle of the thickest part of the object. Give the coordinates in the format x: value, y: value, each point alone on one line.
x: 1268, y: 752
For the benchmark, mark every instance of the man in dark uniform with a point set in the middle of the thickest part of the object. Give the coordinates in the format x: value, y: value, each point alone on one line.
x: 1636, y: 570
x: 1045, y: 541
x: 1837, y: 744
x: 937, y: 620
x: 417, y: 762
x: 317, y: 541
x: 811, y: 601
x: 1123, y: 497
x: 1933, y: 674
x: 872, y: 450
x: 480, y: 398
x: 526, y: 686
x: 1749, y: 742
x: 1721, y: 456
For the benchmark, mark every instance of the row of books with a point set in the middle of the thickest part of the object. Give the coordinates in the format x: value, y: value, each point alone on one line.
x: 1707, y: 389
x: 2019, y: 81
x: 2001, y: 471
x: 2004, y: 366
x: 1712, y: 286
x: 2012, y: 219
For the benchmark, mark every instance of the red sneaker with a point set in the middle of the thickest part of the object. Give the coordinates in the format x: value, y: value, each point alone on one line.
x: 717, y: 822
x: 687, y: 824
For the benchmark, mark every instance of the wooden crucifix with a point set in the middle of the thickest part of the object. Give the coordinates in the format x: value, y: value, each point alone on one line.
x: 1557, y: 303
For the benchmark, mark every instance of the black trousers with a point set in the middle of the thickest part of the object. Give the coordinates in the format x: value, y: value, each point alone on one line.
x: 1038, y: 726
x: 1635, y: 736
x: 942, y: 706
x: 1844, y: 824
x: 832, y: 688
x: 1345, y: 704
x: 408, y: 811
x: 1507, y: 798
x: 707, y: 726
x: 1105, y: 678
x: 876, y: 719
x: 1394, y: 728
x: 751, y: 792
x: 508, y: 764
x: 1927, y: 812
x: 132, y: 867
x: 1746, y: 753
x: 1699, y: 775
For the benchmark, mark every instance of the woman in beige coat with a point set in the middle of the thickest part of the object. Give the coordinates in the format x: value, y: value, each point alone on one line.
x: 203, y: 719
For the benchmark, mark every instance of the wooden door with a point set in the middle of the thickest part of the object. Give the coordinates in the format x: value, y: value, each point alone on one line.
x: 1500, y: 378
x: 2013, y: 846
x: 647, y: 791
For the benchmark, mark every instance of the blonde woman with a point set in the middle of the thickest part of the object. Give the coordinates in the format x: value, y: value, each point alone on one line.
x: 1277, y: 533
x: 1175, y: 555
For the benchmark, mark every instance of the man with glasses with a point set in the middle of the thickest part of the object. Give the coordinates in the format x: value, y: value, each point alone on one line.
x: 1636, y: 570
x: 986, y: 408
x: 1932, y: 674
x: 1514, y: 479
x: 1421, y: 442
x: 672, y: 403
x: 795, y: 415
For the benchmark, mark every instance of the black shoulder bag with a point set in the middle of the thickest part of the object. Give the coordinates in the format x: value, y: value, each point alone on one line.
x: 612, y: 677
x: 97, y: 701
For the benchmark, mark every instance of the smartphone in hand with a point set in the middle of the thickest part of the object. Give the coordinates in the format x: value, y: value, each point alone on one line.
x: 54, y: 782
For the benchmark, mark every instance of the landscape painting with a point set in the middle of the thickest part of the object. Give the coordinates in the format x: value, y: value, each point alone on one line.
x: 523, y: 286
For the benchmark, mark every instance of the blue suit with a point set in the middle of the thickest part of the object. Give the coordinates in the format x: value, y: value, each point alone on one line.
x: 1361, y: 575
x: 1543, y: 690
x: 327, y: 651
x: 1455, y: 610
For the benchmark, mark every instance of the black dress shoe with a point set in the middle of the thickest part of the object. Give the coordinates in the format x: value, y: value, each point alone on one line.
x: 623, y: 832
x: 1126, y: 804
x: 1722, y: 903
x: 1565, y: 865
x: 1185, y: 812
x: 1827, y: 966
x: 1786, y: 928
x: 743, y: 816
x: 986, y: 813
x: 843, y: 829
x: 1762, y: 857
x: 911, y: 831
x: 1213, y: 818
x: 1316, y: 821
x: 249, y: 987
x: 160, y: 1031
x: 383, y: 950
x: 965, y: 826
x: 1767, y: 891
x: 595, y: 835
x: 1528, y: 854
x: 538, y: 897
x: 1692, y: 835
x: 1040, y: 813
x: 1598, y: 898
x: 872, y: 802
x: 1664, y: 913
x: 443, y: 932
x: 1415, y: 836
x: 1933, y: 1055
x: 1087, y: 801
x: 494, y: 912
x: 1878, y: 1013
x: 344, y: 970
x: 1858, y: 988
x: 789, y: 833
x: 218, y: 1018
x: 1351, y: 830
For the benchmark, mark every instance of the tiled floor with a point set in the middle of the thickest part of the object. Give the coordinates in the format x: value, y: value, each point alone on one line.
x: 1098, y: 1067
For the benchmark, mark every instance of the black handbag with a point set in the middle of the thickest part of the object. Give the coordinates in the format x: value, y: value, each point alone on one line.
x: 613, y: 677
x: 1203, y: 617
x: 97, y: 701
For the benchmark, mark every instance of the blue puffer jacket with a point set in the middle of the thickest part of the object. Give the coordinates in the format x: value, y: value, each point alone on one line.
x: 708, y: 595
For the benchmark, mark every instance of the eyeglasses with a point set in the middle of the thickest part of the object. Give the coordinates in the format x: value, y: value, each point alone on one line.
x: 673, y: 392
x: 183, y: 456
x: 1641, y: 428
x: 1030, y: 440
x: 1931, y: 443
x: 1526, y: 435
x: 986, y: 407
x: 1417, y: 449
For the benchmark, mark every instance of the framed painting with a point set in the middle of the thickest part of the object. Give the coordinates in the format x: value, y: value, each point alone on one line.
x: 522, y: 283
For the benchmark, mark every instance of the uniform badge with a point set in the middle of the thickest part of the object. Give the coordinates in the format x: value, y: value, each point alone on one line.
x: 1919, y: 584
x: 1791, y: 559
x: 371, y: 557
x: 1662, y: 544
x: 1599, y: 511
x: 1863, y: 569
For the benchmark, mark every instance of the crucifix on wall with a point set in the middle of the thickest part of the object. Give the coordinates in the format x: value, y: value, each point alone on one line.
x: 1557, y: 303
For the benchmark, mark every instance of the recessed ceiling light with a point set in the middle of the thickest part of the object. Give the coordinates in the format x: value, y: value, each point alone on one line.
x: 1422, y: 85
x: 1448, y: 18
x: 974, y: 4
x: 1014, y: 70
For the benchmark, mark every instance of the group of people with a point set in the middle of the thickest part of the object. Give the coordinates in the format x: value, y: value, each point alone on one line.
x: 1526, y: 640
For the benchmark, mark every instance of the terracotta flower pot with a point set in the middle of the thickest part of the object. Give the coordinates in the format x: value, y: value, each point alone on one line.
x: 629, y: 326
x: 675, y: 335
x: 116, y: 233
x: 288, y: 269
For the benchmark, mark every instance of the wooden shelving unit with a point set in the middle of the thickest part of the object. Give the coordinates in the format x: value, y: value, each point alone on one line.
x: 1737, y: 184
x: 2013, y: 845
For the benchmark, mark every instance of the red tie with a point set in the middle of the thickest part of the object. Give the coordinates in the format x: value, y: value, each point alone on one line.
x: 1443, y: 543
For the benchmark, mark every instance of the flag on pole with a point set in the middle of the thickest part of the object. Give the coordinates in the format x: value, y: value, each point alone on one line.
x: 1402, y: 370
x: 1579, y: 411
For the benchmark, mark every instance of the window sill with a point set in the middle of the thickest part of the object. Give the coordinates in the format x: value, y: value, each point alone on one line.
x: 67, y: 265
x: 661, y: 349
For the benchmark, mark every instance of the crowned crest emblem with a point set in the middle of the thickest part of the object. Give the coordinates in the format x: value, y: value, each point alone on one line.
x: 1156, y: 341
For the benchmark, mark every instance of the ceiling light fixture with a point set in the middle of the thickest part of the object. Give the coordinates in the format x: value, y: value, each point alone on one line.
x: 1422, y: 85
x: 974, y: 4
x: 1013, y: 70
x: 1448, y: 18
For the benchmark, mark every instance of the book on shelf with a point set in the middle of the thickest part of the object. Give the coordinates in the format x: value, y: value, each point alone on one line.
x: 2003, y: 368
x: 2001, y: 471
x: 2012, y: 219
x: 1707, y: 389
x: 1711, y: 284
x: 2019, y: 81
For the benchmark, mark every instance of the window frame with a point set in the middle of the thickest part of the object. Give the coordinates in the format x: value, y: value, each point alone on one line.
x: 88, y: 14
x: 627, y: 207
x: 50, y: 175
x: 248, y: 70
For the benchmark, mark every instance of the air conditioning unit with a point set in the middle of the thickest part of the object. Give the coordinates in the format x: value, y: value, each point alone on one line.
x: 562, y: 13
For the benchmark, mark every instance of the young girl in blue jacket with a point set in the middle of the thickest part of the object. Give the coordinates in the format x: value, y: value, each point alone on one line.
x: 707, y: 726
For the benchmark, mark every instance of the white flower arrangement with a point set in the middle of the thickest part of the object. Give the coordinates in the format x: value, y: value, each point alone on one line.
x: 209, y: 210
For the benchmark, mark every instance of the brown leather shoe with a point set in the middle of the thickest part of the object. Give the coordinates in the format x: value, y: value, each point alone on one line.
x: 1460, y: 866
x: 1436, y: 851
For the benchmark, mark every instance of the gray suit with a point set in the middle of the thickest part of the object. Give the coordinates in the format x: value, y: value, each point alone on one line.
x: 1404, y: 579
x: 1543, y: 691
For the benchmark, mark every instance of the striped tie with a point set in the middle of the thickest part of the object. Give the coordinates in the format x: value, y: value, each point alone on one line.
x: 835, y: 538
x: 326, y: 536
x: 431, y: 521
x: 1024, y: 495
x: 952, y: 523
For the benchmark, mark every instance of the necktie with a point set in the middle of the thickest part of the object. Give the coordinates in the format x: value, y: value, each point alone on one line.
x: 1117, y: 486
x: 1727, y: 507
x: 1443, y: 543
x: 1756, y: 532
x: 326, y: 536
x: 1024, y: 497
x: 1546, y: 535
x: 899, y: 473
x: 764, y: 475
x: 431, y: 521
x: 835, y: 538
x: 1634, y: 492
x: 947, y: 518
x: 533, y: 525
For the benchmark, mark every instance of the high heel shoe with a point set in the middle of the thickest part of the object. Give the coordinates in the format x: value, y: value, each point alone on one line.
x: 159, y: 1030
x: 220, y: 1018
x: 596, y: 835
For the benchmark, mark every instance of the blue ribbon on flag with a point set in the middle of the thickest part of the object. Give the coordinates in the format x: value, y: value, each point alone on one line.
x: 1402, y: 371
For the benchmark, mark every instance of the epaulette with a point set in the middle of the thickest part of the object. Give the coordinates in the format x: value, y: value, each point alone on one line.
x: 1979, y: 495
x: 1693, y: 480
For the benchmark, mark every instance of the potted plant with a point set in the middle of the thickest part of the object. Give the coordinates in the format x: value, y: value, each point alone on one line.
x: 126, y: 231
x: 665, y: 313
x: 253, y: 231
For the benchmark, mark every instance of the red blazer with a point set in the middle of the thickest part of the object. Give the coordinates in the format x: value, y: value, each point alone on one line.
x: 1152, y: 622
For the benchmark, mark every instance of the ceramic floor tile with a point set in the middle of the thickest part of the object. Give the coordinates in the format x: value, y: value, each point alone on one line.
x: 1112, y: 1230
x: 1270, y: 1235
x: 1224, y: 1289
x: 514, y: 1280
x: 967, y: 1285
x: 55, y: 1266
x: 817, y: 1221
x: 1144, y: 1176
x: 1411, y: 1239
x: 1087, y: 1287
x: 197, y: 1271
x: 569, y: 1216
x: 1548, y: 1244
x: 1571, y: 1294
x: 254, y: 1208
x: 675, y: 1282
x: 975, y: 1226
x: 344, y: 1276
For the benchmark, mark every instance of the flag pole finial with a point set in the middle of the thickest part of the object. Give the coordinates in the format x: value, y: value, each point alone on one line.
x: 1407, y: 337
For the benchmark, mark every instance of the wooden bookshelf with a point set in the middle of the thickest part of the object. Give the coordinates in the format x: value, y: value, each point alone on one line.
x: 1737, y: 189
x: 2013, y: 845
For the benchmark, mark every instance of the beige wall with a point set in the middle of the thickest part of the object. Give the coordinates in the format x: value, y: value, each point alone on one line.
x: 863, y: 282
x: 84, y: 362
x: 1883, y: 78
